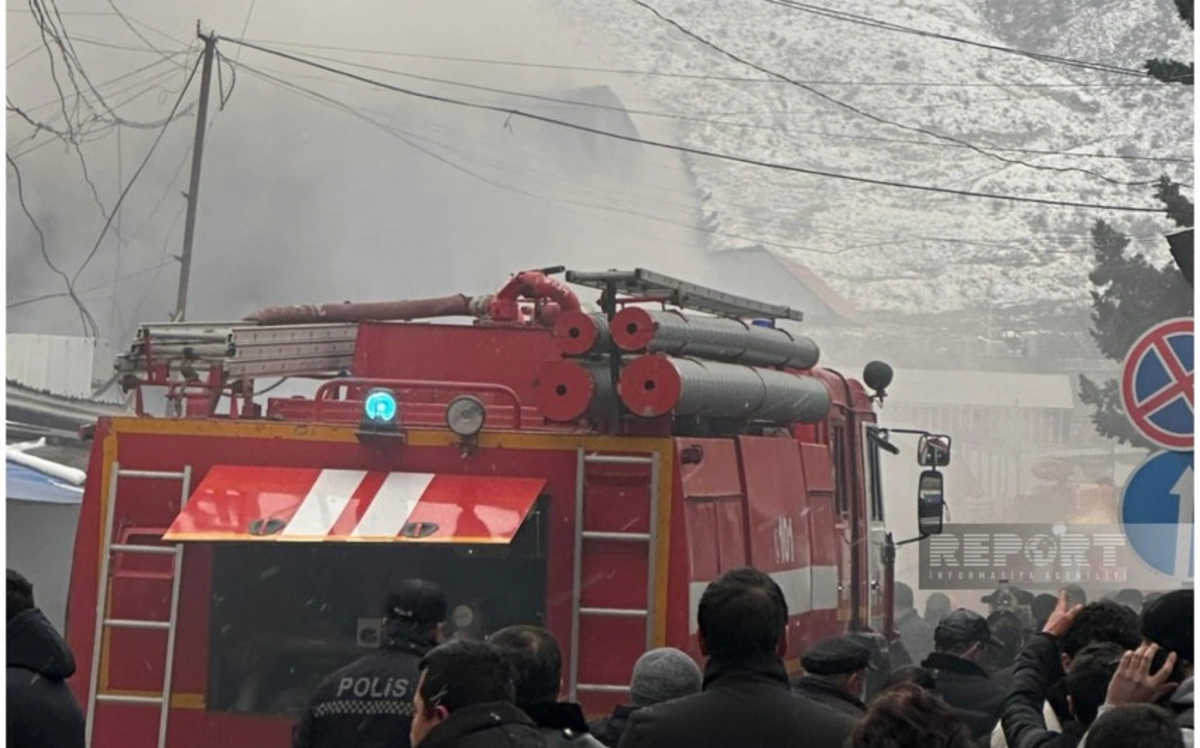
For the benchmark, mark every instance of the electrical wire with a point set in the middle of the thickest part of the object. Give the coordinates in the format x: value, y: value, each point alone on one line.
x: 90, y: 329
x: 410, y: 140
x: 885, y: 25
x: 874, y: 117
x: 688, y: 76
x: 133, y: 180
x: 23, y: 56
x: 100, y: 287
x: 117, y: 79
x: 719, y: 123
x: 129, y: 23
x: 1012, y: 245
x: 511, y: 112
x: 71, y: 56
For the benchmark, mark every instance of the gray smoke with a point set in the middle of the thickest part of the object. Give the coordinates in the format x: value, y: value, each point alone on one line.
x: 302, y: 202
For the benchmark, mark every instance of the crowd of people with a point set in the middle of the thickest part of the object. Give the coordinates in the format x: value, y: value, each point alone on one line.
x: 1077, y: 674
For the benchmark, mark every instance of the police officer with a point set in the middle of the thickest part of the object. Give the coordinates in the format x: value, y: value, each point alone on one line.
x: 369, y: 703
x: 835, y: 674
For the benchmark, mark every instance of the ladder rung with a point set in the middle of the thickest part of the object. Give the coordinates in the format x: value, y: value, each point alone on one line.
x: 128, y: 623
x: 602, y: 688
x: 632, y: 537
x: 116, y: 698
x: 614, y: 612
x: 159, y: 550
x: 595, y: 459
x: 154, y: 474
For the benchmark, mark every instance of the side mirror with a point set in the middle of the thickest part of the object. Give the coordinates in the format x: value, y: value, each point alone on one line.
x: 933, y: 451
x: 931, y: 503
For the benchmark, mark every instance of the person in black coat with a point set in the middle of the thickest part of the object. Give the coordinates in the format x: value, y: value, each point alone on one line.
x: 959, y: 641
x: 746, y: 701
x: 464, y: 699
x: 835, y: 674
x: 536, y: 660
x: 369, y: 703
x: 662, y: 674
x: 42, y: 712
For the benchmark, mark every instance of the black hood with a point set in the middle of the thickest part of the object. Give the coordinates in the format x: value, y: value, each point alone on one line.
x: 34, y: 645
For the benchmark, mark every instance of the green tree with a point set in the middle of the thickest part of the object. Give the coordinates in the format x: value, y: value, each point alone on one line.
x: 1174, y: 71
x: 1129, y: 296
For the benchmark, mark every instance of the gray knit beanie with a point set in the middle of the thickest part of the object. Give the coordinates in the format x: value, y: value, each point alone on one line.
x: 662, y: 675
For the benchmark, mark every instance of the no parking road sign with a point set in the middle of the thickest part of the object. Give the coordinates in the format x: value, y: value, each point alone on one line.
x: 1157, y: 388
x: 1158, y: 513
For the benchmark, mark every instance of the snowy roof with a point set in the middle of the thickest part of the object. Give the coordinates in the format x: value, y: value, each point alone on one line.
x: 26, y: 484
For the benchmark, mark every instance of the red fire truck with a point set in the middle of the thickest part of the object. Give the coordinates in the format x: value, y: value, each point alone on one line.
x: 590, y: 472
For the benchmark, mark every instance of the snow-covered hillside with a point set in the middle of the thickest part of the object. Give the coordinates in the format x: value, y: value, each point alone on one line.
x: 902, y: 250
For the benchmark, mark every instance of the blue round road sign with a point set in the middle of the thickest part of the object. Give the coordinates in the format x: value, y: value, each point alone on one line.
x: 1157, y: 513
x: 1157, y: 387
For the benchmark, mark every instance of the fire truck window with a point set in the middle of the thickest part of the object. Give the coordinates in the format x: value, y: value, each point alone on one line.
x: 840, y: 484
x: 284, y: 616
x: 875, y: 479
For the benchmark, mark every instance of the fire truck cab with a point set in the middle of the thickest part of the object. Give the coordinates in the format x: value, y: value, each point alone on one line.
x: 586, y: 472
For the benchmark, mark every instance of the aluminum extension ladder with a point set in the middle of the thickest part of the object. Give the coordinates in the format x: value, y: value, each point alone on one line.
x: 582, y: 535
x: 103, y: 623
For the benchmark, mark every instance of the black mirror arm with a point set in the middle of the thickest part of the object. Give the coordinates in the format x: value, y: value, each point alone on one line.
x: 917, y: 539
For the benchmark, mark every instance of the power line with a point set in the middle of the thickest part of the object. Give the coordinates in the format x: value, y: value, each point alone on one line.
x: 117, y: 79
x: 719, y: 123
x: 511, y: 112
x: 47, y: 297
x: 691, y: 76
x: 23, y: 56
x: 885, y: 25
x: 133, y: 180
x: 85, y: 317
x: 129, y: 23
x: 874, y: 117
x: 642, y: 199
x: 408, y: 138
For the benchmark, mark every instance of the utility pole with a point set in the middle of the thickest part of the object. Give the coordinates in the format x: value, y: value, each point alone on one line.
x: 193, y: 194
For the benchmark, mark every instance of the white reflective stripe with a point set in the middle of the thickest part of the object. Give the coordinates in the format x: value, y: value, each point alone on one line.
x: 695, y: 590
x: 329, y: 495
x: 824, y: 588
x: 807, y: 589
x: 393, y: 504
x: 797, y: 588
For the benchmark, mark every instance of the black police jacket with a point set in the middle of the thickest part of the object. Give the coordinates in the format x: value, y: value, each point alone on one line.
x: 745, y: 703
x: 969, y: 691
x: 368, y: 703
x: 42, y: 713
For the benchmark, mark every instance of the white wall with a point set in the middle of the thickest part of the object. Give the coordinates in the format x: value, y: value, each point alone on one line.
x: 41, y: 543
x: 58, y: 364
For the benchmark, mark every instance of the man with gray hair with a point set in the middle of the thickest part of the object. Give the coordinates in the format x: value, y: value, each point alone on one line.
x: 659, y: 675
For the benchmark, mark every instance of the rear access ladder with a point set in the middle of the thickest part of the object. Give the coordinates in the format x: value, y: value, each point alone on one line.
x: 104, y: 623
x: 583, y: 535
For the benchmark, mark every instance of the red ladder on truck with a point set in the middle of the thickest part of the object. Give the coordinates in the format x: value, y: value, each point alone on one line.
x: 104, y: 623
x: 583, y: 536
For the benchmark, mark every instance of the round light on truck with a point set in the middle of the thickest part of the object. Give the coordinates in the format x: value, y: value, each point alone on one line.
x: 465, y: 415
